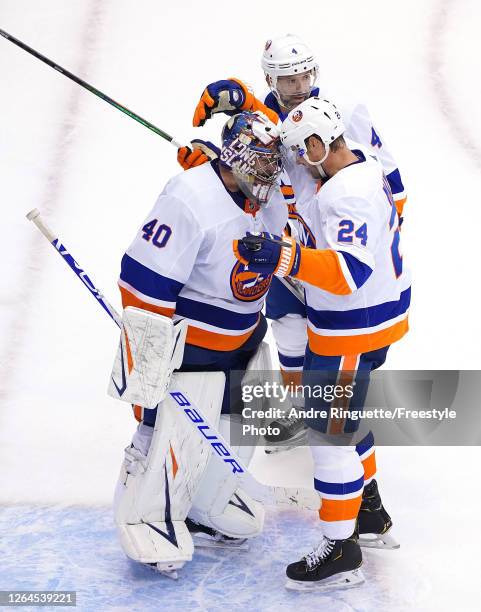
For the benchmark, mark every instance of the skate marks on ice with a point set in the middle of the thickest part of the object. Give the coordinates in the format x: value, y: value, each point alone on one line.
x: 76, y: 549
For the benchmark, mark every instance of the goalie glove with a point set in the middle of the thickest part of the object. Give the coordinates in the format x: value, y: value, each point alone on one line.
x: 201, y: 152
x: 268, y: 254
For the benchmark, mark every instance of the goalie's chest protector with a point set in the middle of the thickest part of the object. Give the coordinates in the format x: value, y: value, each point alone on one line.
x: 182, y: 259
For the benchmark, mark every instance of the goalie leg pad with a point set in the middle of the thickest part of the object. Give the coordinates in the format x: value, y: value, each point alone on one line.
x: 219, y: 503
x: 161, y: 473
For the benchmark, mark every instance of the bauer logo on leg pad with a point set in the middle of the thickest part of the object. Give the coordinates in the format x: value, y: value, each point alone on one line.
x: 207, y: 431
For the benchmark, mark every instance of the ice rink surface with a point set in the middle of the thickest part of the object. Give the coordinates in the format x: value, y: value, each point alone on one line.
x: 95, y: 173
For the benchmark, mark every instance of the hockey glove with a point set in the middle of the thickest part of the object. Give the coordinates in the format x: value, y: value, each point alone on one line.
x: 201, y: 152
x: 230, y: 97
x: 268, y: 254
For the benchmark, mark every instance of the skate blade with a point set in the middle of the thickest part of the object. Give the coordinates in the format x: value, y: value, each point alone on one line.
x: 167, y: 570
x: 299, y: 439
x: 344, y: 580
x: 272, y: 450
x: 206, y: 542
x: 378, y: 540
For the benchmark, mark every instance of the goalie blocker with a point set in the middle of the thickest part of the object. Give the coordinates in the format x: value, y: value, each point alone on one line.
x: 168, y: 473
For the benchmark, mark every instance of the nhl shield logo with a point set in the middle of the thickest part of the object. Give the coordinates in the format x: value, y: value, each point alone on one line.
x: 297, y: 116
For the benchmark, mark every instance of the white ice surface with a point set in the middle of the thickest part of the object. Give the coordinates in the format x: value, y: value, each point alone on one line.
x: 94, y: 173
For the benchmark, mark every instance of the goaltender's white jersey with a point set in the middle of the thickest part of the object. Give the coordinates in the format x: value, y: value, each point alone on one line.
x: 181, y: 262
x: 354, y: 214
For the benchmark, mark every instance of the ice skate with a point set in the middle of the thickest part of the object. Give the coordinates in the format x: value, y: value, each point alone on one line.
x: 292, y: 433
x: 207, y: 537
x: 334, y: 564
x: 374, y: 523
x: 169, y: 570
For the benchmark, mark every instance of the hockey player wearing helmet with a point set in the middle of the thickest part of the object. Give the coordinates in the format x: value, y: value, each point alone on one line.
x: 291, y: 69
x: 181, y: 265
x: 357, y: 298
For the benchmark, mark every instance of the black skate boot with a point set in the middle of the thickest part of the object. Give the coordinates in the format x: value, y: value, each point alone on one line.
x: 207, y: 537
x: 334, y: 564
x: 374, y: 523
x: 292, y: 433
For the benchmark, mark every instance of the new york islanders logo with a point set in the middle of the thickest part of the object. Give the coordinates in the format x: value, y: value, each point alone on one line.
x: 297, y: 116
x: 248, y: 286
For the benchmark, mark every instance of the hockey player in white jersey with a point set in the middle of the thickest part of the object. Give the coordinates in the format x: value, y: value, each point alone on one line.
x: 181, y: 266
x: 357, y: 297
x: 292, y: 74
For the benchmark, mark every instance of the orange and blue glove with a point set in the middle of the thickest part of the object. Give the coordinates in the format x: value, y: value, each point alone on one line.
x: 200, y: 153
x: 268, y: 254
x: 229, y: 96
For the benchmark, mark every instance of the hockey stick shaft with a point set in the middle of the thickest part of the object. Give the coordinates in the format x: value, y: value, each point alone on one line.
x: 34, y: 215
x: 90, y: 88
x: 302, y: 498
x: 295, y: 289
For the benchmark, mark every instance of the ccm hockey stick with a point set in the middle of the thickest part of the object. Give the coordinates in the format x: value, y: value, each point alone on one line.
x: 90, y: 88
x: 306, y: 499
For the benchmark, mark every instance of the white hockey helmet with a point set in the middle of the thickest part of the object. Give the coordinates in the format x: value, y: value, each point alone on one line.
x: 316, y: 117
x: 288, y: 56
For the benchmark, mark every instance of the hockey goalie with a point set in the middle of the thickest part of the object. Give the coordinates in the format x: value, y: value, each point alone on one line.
x: 180, y: 273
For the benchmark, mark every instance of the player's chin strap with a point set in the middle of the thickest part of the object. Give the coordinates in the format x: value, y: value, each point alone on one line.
x: 318, y: 164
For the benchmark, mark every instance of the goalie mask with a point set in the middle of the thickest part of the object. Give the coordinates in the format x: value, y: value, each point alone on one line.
x: 250, y: 150
x: 290, y: 69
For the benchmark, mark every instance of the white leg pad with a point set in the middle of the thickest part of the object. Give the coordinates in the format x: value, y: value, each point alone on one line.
x: 220, y: 504
x: 162, y: 472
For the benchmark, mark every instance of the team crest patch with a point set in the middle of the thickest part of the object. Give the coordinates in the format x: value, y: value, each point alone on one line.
x: 248, y: 286
x: 268, y: 45
x: 297, y: 116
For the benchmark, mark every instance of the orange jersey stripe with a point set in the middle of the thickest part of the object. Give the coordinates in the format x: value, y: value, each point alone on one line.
x: 321, y: 268
x: 214, y: 341
x: 369, y: 465
x: 339, y: 509
x: 399, y: 204
x: 363, y: 343
x: 129, y: 299
x: 287, y: 190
